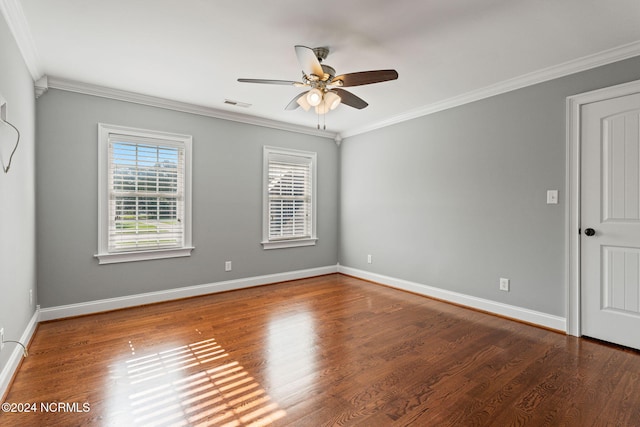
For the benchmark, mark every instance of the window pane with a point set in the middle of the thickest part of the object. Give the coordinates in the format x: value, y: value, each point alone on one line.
x: 146, y: 183
x: 289, y: 193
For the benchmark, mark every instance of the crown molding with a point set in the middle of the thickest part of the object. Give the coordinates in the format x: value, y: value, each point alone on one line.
x: 17, y: 22
x: 570, y: 67
x: 153, y: 101
x: 41, y: 86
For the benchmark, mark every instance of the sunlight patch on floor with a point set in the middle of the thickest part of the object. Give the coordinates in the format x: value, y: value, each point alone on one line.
x: 193, y: 385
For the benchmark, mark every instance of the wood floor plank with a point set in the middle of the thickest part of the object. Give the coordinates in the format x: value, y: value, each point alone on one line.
x: 330, y: 350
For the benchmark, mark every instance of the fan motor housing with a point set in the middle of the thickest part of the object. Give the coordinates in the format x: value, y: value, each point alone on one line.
x: 328, y: 70
x: 321, y: 53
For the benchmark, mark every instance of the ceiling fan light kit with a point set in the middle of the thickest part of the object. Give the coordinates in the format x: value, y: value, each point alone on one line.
x: 332, y: 99
x: 325, y: 93
x: 301, y: 100
x: 322, y: 108
x: 314, y: 97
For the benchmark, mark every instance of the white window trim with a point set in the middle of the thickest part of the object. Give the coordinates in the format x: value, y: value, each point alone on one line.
x: 103, y: 255
x: 291, y: 243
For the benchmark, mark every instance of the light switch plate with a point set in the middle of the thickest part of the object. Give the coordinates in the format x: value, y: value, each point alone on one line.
x: 552, y: 197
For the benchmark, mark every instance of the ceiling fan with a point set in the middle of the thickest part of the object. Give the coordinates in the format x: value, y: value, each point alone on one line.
x: 325, y: 91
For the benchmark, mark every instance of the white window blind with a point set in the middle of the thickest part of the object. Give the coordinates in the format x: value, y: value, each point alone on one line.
x: 146, y: 200
x: 290, y: 201
x: 144, y: 208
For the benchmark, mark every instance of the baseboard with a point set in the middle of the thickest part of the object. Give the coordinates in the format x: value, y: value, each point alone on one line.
x: 52, y: 313
x: 60, y: 312
x: 518, y: 313
x: 9, y: 370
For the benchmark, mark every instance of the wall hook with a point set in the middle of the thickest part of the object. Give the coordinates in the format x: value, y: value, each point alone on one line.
x: 6, y: 169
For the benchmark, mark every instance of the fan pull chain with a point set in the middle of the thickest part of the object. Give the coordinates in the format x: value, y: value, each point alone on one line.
x: 324, y: 121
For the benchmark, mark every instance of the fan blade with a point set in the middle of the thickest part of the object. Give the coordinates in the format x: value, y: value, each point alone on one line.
x: 270, y: 82
x: 308, y: 61
x: 350, y: 99
x: 366, y: 77
x: 294, y: 102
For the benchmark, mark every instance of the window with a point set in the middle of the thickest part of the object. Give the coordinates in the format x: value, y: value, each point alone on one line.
x: 289, y: 198
x: 144, y: 204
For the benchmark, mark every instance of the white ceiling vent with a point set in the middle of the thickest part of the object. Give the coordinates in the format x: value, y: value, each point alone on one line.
x: 237, y: 103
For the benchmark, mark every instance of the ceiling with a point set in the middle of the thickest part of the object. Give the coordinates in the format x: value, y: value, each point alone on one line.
x: 193, y: 51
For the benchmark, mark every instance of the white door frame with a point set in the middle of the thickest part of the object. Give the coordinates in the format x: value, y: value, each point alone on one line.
x: 572, y: 219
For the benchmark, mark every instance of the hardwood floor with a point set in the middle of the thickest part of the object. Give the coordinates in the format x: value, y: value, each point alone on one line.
x: 331, y: 350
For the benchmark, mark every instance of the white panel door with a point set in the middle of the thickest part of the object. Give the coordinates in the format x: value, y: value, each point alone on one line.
x: 610, y: 220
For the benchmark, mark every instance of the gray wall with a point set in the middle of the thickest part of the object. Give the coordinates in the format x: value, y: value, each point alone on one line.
x: 454, y: 200
x: 17, y: 196
x: 227, y: 201
x: 457, y: 199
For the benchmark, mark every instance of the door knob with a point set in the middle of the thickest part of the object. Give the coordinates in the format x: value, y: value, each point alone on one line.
x: 590, y: 232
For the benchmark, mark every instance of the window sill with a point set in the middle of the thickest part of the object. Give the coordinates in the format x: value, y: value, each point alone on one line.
x: 116, y: 257
x: 281, y: 244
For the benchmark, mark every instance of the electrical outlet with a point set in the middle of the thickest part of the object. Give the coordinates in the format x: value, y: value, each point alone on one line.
x: 369, y: 259
x: 1, y: 338
x: 227, y: 266
x: 30, y: 296
x: 504, y: 284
